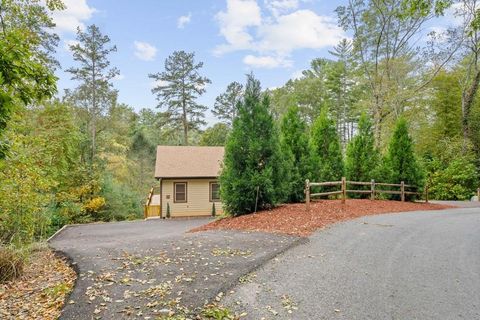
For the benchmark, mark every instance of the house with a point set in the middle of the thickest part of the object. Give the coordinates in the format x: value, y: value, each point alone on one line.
x: 187, y: 182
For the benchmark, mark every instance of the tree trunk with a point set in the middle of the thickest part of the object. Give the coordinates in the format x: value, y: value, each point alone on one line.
x: 185, y: 124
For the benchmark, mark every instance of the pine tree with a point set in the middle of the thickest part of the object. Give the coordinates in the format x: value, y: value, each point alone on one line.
x: 362, y: 158
x: 226, y: 104
x: 294, y: 144
x: 178, y: 87
x: 95, y: 93
x: 253, y: 175
x: 326, y: 150
x: 400, y: 159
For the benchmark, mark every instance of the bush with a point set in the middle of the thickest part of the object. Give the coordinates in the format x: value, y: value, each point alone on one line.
x: 11, y: 263
x: 452, y: 177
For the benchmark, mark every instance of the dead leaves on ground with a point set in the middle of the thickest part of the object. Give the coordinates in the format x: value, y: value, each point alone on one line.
x: 40, y: 292
x: 159, y: 283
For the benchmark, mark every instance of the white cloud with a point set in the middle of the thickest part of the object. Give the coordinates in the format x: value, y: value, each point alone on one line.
x: 268, y: 62
x: 235, y: 22
x: 157, y: 83
x: 184, y: 20
x: 274, y: 37
x: 302, y: 29
x: 280, y: 6
x: 75, y: 14
x: 144, y: 50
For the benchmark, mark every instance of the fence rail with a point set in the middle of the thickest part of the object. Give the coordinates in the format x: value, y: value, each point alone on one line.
x: 373, y: 190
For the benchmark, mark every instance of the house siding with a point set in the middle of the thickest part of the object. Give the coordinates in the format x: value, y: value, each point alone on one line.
x: 198, y: 198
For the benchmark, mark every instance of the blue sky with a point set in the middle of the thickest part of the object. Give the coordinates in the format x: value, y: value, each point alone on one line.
x: 275, y: 39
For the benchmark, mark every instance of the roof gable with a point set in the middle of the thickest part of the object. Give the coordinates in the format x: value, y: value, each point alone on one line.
x: 188, y: 162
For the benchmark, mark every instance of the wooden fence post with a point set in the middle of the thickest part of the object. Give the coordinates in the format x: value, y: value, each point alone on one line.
x: 372, y: 190
x: 307, y: 194
x: 344, y: 189
x: 478, y: 194
x: 402, y: 191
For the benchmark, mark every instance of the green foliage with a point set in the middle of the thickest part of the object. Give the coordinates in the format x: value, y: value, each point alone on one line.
x: 327, y: 156
x: 401, y: 160
x: 168, y: 210
x: 362, y: 158
x: 26, y: 72
x: 253, y: 164
x: 451, y: 173
x: 24, y: 189
x: 215, y: 135
x: 294, y: 146
x: 120, y: 202
x: 179, y: 87
x: 215, y: 312
x: 226, y: 104
x: 95, y: 93
x: 457, y: 181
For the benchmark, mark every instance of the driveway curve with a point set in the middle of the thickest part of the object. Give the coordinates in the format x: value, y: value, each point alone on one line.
x: 419, y: 265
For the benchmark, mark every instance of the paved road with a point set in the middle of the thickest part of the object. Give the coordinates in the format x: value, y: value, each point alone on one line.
x: 419, y: 265
x: 141, y: 270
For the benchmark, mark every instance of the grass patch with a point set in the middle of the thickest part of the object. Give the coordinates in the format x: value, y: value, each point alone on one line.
x: 12, y: 262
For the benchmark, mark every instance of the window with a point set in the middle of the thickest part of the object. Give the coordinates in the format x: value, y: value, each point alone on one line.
x: 214, y: 192
x: 180, y: 192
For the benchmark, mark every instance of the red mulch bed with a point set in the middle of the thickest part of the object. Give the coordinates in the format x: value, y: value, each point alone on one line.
x: 293, y: 219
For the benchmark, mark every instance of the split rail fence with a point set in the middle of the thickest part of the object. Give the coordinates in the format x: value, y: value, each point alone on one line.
x: 404, y: 189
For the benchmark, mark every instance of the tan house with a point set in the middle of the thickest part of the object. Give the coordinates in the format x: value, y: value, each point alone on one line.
x: 187, y: 182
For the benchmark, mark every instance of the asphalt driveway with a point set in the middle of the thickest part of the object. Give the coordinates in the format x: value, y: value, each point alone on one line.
x: 418, y: 265
x: 151, y: 269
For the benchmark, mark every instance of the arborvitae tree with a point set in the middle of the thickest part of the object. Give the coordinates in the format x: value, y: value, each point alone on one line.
x: 326, y: 151
x: 95, y: 93
x: 294, y: 144
x: 253, y: 175
x: 362, y: 158
x: 401, y: 160
x: 178, y: 88
x: 226, y: 104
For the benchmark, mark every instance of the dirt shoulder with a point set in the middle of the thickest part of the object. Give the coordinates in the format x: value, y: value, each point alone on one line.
x: 41, y: 291
x: 293, y: 219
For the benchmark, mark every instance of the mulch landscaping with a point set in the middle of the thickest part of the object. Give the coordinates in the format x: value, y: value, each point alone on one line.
x: 293, y: 219
x: 40, y: 292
